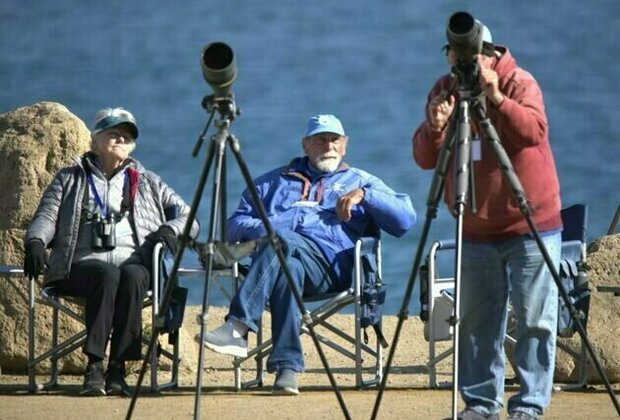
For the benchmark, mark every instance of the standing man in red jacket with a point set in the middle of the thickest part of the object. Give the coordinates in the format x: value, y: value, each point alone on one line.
x: 501, y: 261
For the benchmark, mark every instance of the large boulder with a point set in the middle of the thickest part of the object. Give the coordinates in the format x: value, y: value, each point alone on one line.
x: 35, y: 142
x: 603, y: 326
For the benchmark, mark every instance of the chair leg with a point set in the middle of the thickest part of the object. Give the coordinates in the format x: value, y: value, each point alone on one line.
x: 581, y: 358
x: 259, y: 358
x: 175, y: 361
x: 54, y: 361
x: 358, y: 342
x: 154, y: 362
x: 258, y: 353
x: 32, y: 385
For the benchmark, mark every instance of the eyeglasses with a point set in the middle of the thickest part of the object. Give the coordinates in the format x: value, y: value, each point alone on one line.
x: 120, y: 136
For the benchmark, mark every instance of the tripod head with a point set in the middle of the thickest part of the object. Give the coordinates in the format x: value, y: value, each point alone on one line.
x: 465, y: 40
x: 225, y: 106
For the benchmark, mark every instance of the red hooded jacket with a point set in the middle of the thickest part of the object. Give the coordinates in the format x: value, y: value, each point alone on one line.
x: 521, y: 125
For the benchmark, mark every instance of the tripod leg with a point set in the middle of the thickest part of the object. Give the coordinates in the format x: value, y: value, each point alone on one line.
x: 173, y: 279
x: 217, y: 201
x: 461, y: 193
x: 432, y: 202
x: 511, y: 177
x: 275, y: 244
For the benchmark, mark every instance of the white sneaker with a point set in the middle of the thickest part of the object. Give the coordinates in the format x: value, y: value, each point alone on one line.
x: 224, y: 339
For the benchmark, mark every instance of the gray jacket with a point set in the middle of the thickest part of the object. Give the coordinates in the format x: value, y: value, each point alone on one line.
x: 56, y: 221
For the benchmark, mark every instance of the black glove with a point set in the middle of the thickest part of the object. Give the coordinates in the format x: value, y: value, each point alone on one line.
x: 166, y: 235
x: 34, y: 261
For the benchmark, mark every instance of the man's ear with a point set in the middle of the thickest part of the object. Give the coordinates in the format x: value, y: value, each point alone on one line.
x: 303, y: 144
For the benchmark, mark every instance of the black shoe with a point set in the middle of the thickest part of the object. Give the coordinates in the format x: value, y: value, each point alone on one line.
x: 93, y: 380
x: 115, y: 380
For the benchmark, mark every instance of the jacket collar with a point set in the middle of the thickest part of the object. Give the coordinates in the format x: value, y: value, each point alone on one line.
x: 89, y: 161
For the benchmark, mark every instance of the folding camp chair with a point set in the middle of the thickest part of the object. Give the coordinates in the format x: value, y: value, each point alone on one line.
x: 574, y: 253
x: 61, y: 305
x: 329, y: 304
x: 437, y: 293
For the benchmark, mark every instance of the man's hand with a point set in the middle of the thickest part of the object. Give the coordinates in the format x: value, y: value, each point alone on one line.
x: 439, y: 110
x: 489, y: 83
x: 346, y: 202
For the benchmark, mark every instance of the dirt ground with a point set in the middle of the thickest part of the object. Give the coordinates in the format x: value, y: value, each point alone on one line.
x: 407, y: 395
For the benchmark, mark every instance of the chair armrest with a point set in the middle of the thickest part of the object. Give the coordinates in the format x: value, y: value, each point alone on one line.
x: 11, y: 269
x: 446, y: 244
x: 572, y: 250
x: 367, y: 244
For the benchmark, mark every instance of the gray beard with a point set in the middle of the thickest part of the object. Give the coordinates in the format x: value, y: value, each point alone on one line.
x: 328, y: 166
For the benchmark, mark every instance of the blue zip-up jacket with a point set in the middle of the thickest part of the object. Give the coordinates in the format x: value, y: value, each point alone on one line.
x: 296, y: 200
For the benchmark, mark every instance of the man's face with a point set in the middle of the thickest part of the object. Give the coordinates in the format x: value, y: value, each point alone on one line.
x: 484, y: 60
x: 325, y: 150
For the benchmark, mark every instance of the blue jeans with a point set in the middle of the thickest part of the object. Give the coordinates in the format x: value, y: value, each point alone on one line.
x: 493, y: 274
x: 266, y: 283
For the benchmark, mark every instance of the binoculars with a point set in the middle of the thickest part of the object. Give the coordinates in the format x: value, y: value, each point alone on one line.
x: 103, y: 233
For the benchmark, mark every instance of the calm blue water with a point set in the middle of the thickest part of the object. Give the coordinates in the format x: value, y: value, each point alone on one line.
x: 370, y: 63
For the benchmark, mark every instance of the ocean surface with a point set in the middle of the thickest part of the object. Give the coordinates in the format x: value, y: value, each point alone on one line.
x: 370, y: 63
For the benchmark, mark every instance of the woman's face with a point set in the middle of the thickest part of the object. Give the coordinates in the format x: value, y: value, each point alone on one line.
x: 115, y: 143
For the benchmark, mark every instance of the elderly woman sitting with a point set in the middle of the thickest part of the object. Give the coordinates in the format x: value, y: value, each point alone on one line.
x: 101, y: 218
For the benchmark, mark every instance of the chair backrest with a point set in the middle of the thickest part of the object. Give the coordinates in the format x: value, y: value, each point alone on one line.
x: 573, y: 278
x: 575, y: 219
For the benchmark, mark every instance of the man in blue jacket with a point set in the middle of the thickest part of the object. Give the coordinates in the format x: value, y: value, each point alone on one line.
x: 318, y: 207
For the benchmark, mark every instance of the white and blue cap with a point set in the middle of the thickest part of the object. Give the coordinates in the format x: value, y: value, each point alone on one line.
x: 111, y: 117
x: 324, y: 123
x: 487, y: 40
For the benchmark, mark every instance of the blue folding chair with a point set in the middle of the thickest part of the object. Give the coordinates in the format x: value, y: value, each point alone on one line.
x: 340, y: 341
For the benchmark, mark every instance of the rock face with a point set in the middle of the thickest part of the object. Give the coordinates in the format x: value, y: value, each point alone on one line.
x: 35, y: 142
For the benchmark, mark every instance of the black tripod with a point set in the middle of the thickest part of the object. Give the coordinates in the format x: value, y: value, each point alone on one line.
x: 459, y: 132
x: 226, y: 108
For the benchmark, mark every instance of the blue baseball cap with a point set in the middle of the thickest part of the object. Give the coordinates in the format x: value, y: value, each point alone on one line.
x: 324, y: 123
x: 111, y: 117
